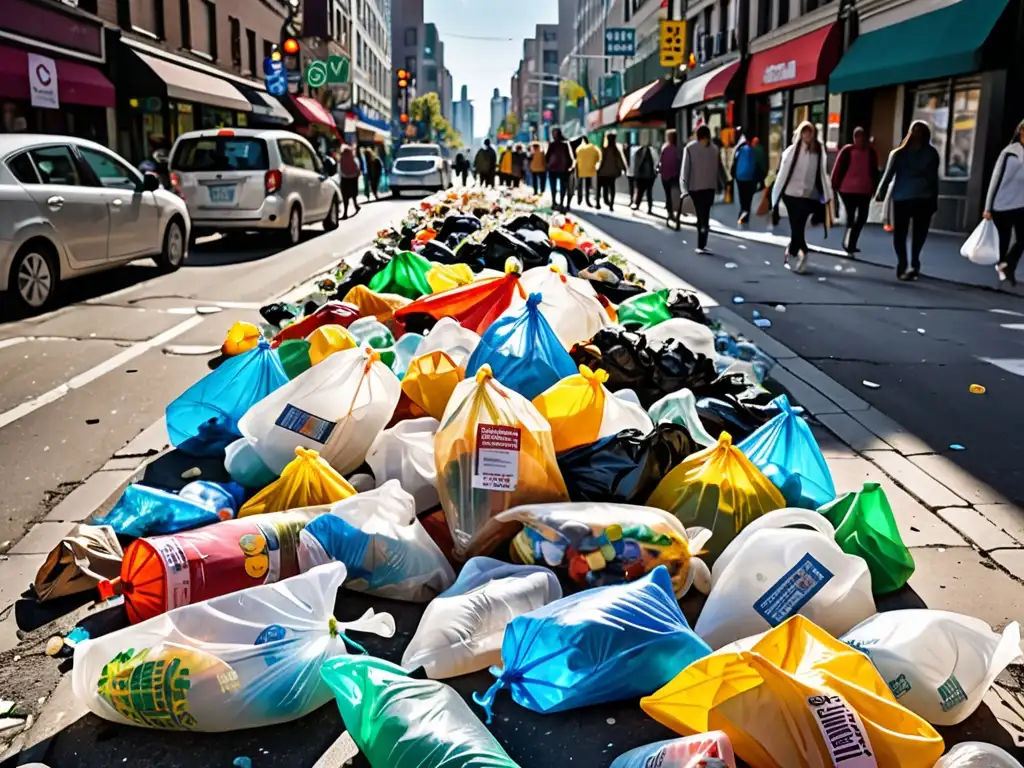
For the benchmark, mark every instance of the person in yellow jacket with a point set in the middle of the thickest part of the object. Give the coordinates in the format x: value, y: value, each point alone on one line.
x: 505, y: 167
x: 588, y: 157
x: 539, y: 169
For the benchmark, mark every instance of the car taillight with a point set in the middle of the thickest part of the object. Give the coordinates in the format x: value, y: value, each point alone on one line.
x: 176, y: 186
x: 272, y: 181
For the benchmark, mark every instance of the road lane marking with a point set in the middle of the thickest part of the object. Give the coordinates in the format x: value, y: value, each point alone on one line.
x: 12, y: 341
x: 1011, y: 365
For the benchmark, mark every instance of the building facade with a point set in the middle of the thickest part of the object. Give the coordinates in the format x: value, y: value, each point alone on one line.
x: 462, y: 117
x: 447, y: 95
x: 546, y: 45
x: 372, y: 80
x: 499, y: 109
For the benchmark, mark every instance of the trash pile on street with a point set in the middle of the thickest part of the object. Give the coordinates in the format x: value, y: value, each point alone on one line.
x: 492, y: 414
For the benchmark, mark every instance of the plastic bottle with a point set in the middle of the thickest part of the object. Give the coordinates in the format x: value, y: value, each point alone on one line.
x: 145, y: 511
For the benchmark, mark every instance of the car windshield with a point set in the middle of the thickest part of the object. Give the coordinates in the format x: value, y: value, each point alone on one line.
x: 220, y: 153
x: 418, y: 150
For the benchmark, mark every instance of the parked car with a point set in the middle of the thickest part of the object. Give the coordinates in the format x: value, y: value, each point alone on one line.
x: 235, y: 179
x: 420, y: 167
x: 70, y: 206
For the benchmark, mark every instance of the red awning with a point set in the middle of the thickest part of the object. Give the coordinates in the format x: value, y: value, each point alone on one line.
x: 807, y: 60
x: 77, y: 82
x: 715, y: 89
x: 314, y: 112
x: 631, y: 102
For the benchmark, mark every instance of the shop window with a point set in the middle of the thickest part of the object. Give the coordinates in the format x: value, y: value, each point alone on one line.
x: 961, y: 135
x: 932, y: 107
x: 111, y: 173
x: 22, y: 168
x: 56, y: 166
x: 236, y: 42
x: 250, y: 46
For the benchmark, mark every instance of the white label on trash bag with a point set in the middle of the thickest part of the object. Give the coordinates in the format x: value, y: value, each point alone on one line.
x: 792, y: 592
x: 496, y: 464
x: 179, y: 576
x: 843, y: 731
x: 306, y: 424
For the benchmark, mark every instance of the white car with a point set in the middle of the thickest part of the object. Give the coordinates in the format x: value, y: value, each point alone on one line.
x: 420, y: 168
x: 236, y: 179
x: 70, y: 206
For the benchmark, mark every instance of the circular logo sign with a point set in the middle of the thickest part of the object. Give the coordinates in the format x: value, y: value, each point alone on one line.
x: 316, y: 74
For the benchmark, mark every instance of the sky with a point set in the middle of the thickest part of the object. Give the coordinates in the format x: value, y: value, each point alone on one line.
x: 483, y: 42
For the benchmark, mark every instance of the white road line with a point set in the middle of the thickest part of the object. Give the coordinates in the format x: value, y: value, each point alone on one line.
x: 29, y: 406
x: 1012, y: 326
x: 1007, y: 312
x: 1011, y: 365
x: 12, y: 341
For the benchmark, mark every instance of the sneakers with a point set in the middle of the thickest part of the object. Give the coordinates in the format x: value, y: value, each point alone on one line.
x: 702, y: 251
x: 801, y: 262
x: 1004, y: 276
x: 742, y: 219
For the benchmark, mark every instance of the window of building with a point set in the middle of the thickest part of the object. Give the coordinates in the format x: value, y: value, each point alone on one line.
x: 185, y: 13
x: 268, y: 48
x: 146, y: 16
x: 549, y: 35
x: 410, y: 36
x: 764, y: 17
x: 410, y: 64
x: 782, y: 17
x: 951, y: 111
x: 211, y: 23
x: 236, y: 42
x: 250, y: 47
x: 89, y: 6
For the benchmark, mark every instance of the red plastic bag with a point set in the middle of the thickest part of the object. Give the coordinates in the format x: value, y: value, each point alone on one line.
x: 474, y: 306
x: 331, y: 313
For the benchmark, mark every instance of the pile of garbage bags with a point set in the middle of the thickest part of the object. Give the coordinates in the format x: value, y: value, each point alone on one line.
x: 491, y: 415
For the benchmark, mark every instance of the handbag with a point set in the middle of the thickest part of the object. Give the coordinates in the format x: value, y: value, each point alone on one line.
x: 765, y: 204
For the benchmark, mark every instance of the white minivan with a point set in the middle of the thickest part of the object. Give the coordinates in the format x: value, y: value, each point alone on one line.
x: 236, y: 179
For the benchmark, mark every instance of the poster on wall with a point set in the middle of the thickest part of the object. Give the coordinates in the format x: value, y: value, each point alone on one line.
x: 42, y: 81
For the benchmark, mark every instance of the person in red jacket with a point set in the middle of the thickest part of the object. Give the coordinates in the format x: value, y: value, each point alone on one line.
x: 348, y: 169
x: 855, y: 178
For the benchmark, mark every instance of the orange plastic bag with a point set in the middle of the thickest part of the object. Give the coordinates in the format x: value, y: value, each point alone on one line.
x: 798, y: 698
x: 562, y: 239
x: 430, y: 381
x: 372, y: 304
x: 307, y: 481
x: 474, y: 306
x: 328, y: 339
x: 242, y: 337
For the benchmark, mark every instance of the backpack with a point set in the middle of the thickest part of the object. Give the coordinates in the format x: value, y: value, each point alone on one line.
x: 645, y: 167
x: 746, y: 163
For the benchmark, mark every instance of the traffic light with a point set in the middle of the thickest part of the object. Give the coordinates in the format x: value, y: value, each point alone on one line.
x: 403, y: 79
x: 290, y: 46
x: 291, y: 32
x: 403, y: 118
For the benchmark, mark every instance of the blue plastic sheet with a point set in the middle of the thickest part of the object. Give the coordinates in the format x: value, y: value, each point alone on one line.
x: 523, y: 351
x: 785, y: 450
x: 203, y: 420
x: 146, y: 511
x: 604, y: 644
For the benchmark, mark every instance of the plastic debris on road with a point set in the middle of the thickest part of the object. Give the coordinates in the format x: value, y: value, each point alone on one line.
x: 680, y: 753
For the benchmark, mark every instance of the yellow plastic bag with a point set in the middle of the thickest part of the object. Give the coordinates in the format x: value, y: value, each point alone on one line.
x: 718, y: 489
x: 444, y: 277
x: 307, y: 481
x: 562, y: 238
x: 574, y: 407
x: 241, y: 337
x: 493, y: 452
x: 328, y: 339
x: 372, y: 304
x: 430, y: 381
x: 798, y: 698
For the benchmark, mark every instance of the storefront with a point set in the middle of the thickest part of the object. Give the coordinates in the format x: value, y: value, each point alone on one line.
x: 314, y: 121
x: 705, y: 99
x: 267, y: 111
x: 646, y: 113
x: 602, y: 121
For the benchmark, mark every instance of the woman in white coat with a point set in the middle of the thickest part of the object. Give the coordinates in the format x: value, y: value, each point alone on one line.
x: 803, y: 184
x: 1004, y: 205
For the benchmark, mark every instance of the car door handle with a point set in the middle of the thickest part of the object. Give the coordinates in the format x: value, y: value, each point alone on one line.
x: 56, y: 202
x: 117, y: 203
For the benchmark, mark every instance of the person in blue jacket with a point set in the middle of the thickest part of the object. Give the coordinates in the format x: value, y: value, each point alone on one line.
x: 748, y: 173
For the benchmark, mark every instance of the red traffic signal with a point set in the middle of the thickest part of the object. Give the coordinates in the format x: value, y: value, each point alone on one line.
x: 290, y: 46
x: 403, y: 118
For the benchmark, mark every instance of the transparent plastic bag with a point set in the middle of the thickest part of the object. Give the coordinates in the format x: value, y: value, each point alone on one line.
x: 798, y: 698
x: 337, y: 408
x: 461, y: 629
x: 493, y: 452
x: 203, y: 420
x: 387, y: 551
x: 405, y: 350
x: 430, y: 382
x: 982, y: 245
x: 245, y: 660
x: 307, y: 481
x: 241, y: 337
x: 600, y: 645
x: 142, y: 510
x: 328, y: 339
x: 773, y: 570
x: 452, y: 339
x: 679, y: 753
x: 399, y: 722
x: 405, y: 275
x: 405, y: 453
x: 937, y: 664
x: 680, y: 407
x: 569, y: 304
x: 975, y: 754
x: 784, y: 449
x: 718, y: 489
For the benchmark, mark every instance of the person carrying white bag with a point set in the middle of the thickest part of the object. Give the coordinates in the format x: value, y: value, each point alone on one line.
x: 1004, y: 209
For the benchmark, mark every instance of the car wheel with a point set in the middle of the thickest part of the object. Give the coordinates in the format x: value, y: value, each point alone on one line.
x: 396, y: 193
x: 34, y: 277
x: 331, y: 221
x: 293, y: 234
x: 175, y: 248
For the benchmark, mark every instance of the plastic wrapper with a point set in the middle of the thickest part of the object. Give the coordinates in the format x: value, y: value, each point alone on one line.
x: 718, y: 489
x: 798, y: 699
x: 399, y: 722
x: 328, y: 339
x: 380, y: 306
x: 307, y: 481
x: 474, y: 306
x: 430, y: 382
x: 444, y: 277
x: 452, y: 339
x: 679, y: 753
x: 866, y: 527
x: 600, y: 645
x: 143, y: 510
x: 785, y: 451
x: 385, y: 548
x: 493, y: 452
x: 975, y: 754
x: 336, y: 408
x: 569, y: 304
x: 246, y: 660
x: 241, y: 337
x: 294, y: 356
x: 697, y: 336
x: 204, y: 418
x: 937, y: 664
x: 600, y: 544
x: 681, y: 408
x: 331, y: 313
x: 405, y: 453
x: 405, y: 275
x: 246, y: 467
x: 773, y: 570
x: 461, y: 630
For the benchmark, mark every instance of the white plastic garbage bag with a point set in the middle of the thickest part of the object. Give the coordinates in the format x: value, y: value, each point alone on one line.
x: 244, y: 660
x: 982, y: 246
x: 975, y: 754
x: 772, y: 571
x: 337, y: 408
x: 386, y: 549
x: 680, y: 407
x: 406, y: 453
x: 568, y: 303
x: 937, y: 664
x: 462, y: 629
x: 449, y: 337
x: 696, y: 337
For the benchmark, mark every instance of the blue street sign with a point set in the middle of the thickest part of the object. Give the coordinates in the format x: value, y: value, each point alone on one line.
x: 620, y: 41
x: 272, y: 67
x: 275, y: 77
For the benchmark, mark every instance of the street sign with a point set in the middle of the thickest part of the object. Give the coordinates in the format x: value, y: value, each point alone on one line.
x: 276, y: 80
x: 337, y: 70
x: 672, y: 43
x: 316, y: 74
x: 620, y: 41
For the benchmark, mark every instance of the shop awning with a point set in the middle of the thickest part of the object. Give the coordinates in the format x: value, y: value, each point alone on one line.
x: 361, y: 126
x: 265, y: 106
x: 710, y: 85
x: 938, y: 44
x: 806, y: 60
x: 313, y: 112
x: 77, y: 82
x: 629, y: 107
x: 191, y: 85
x: 602, y: 117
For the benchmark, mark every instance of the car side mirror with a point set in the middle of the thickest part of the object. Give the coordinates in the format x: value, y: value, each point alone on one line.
x: 330, y: 166
x: 150, y: 182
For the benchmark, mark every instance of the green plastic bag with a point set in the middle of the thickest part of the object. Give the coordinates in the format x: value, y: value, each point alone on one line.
x: 866, y: 527
x: 644, y: 310
x: 399, y: 722
x: 294, y: 355
x: 371, y: 333
x: 405, y: 274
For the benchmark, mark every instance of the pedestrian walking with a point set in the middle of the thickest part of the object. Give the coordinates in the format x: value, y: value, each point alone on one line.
x: 698, y: 179
x: 913, y: 172
x: 462, y: 167
x: 588, y: 158
x: 646, y: 173
x: 1004, y: 205
x: 611, y: 166
x: 486, y: 163
x: 559, y: 162
x: 855, y: 179
x: 539, y: 169
x: 518, y: 166
x: 631, y: 152
x: 374, y: 171
x: 348, y: 169
x: 669, y: 164
x: 748, y: 174
x: 803, y: 184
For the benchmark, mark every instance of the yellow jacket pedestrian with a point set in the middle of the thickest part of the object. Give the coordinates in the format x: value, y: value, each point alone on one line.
x: 588, y: 157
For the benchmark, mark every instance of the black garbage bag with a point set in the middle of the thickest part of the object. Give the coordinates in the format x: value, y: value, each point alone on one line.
x: 277, y: 313
x: 726, y: 415
x: 675, y: 367
x: 499, y: 244
x: 668, y: 444
x: 608, y: 470
x: 472, y: 254
x: 439, y: 252
x: 608, y: 280
x: 462, y: 224
x: 527, y: 222
x: 419, y: 322
x: 623, y: 354
x: 576, y: 259
x: 684, y: 303
x: 537, y: 240
x: 371, y: 263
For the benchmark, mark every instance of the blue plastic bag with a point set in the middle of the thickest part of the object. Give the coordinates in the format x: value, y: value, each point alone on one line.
x: 523, y: 351
x: 203, y: 420
x: 604, y: 644
x: 146, y: 511
x: 785, y: 450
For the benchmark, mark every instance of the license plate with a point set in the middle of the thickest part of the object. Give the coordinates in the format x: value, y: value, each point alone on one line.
x: 224, y: 193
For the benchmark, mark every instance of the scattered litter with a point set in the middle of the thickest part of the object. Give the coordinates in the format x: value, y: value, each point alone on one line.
x: 132, y: 370
x: 780, y: 307
x: 209, y: 310
x: 731, y: 265
x: 920, y: 330
x: 92, y: 421
x: 191, y: 349
x: 742, y: 247
x: 850, y: 269
x: 870, y: 384
x: 763, y: 322
x: 838, y: 267
x: 755, y: 313
x: 78, y: 635
x: 7, y: 707
x: 610, y: 721
x: 956, y: 447
x: 977, y: 389
x: 822, y: 279
x: 738, y: 300
x: 767, y: 262
x: 191, y: 474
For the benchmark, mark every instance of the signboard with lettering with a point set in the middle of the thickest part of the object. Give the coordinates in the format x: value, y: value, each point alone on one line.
x: 619, y: 41
x: 672, y: 43
x: 782, y: 72
x: 42, y: 81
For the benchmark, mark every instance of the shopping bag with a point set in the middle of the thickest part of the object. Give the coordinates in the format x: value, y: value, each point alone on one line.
x: 331, y: 313
x: 866, y: 527
x: 246, y: 660
x: 474, y: 306
x: 764, y: 205
x: 400, y: 722
x: 644, y: 311
x: 204, y: 418
x: 307, y: 481
x: 687, y: 752
x: 975, y: 754
x: 430, y: 381
x: 680, y: 407
x: 451, y: 338
x: 241, y: 337
x: 982, y: 245
x: 326, y: 340
x: 384, y: 547
x: 405, y: 453
x: 600, y: 645
x: 405, y: 275
x: 461, y: 629
x: 568, y: 303
x: 370, y: 303
x: 937, y: 664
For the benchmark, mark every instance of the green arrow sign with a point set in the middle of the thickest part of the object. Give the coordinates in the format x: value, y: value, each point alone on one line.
x: 337, y: 70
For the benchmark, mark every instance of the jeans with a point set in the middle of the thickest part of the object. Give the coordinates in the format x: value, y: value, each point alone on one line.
x: 1008, y: 222
x: 539, y: 182
x: 559, y: 187
x: 606, y: 188
x: 857, y: 207
x: 799, y: 210
x: 671, y: 188
x: 703, y: 199
x: 584, y: 185
x: 644, y: 187
x: 904, y: 213
x: 746, y: 194
x: 464, y: 175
